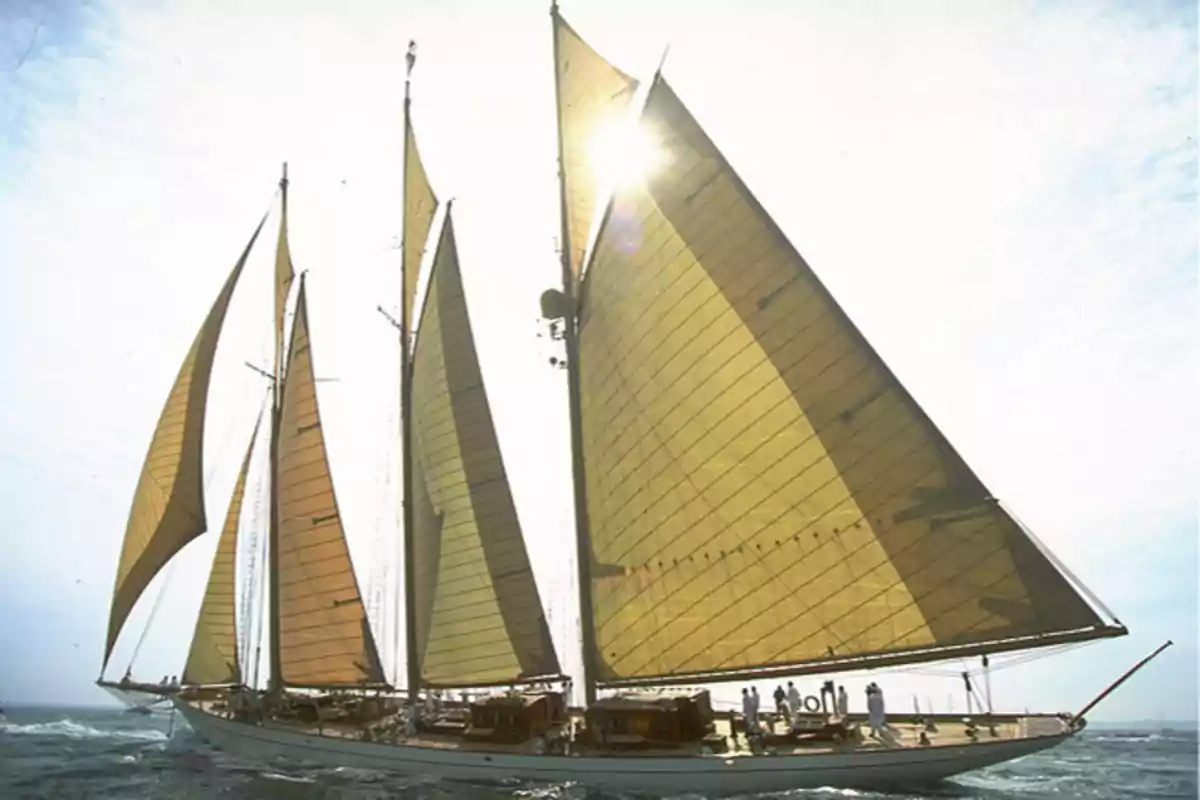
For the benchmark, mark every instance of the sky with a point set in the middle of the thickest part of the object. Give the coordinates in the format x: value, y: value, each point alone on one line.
x: 1002, y: 196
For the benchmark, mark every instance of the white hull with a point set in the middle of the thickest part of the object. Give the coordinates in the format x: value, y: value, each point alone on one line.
x: 711, y: 774
x: 134, y: 699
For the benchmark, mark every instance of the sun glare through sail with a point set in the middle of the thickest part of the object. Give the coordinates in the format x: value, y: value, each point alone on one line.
x: 622, y: 152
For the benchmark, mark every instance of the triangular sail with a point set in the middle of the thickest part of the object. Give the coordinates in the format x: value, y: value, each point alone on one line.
x: 213, y: 656
x: 762, y: 493
x: 590, y: 93
x: 284, y: 273
x: 479, y: 618
x: 324, y: 636
x: 168, y: 505
x: 419, y: 207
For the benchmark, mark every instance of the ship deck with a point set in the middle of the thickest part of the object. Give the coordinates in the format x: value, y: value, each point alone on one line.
x: 901, y: 733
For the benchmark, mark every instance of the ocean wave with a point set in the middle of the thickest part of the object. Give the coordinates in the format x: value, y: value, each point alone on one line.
x: 279, y: 776
x: 70, y: 729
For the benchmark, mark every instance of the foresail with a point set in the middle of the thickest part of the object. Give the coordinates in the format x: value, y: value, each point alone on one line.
x: 419, y: 207
x: 324, y: 636
x: 168, y: 504
x: 762, y: 492
x: 213, y: 656
x: 591, y: 94
x: 479, y: 617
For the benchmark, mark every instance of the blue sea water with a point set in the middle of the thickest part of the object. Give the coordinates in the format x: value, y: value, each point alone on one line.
x: 65, y: 753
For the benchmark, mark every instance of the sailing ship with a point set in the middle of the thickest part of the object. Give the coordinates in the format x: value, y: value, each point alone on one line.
x: 743, y: 464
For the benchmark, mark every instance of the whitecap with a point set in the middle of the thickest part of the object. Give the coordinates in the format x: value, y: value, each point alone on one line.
x: 71, y: 729
x: 278, y: 776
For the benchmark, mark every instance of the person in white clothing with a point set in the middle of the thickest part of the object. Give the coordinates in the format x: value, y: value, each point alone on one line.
x: 793, y: 698
x: 843, y: 702
x: 876, y: 716
x: 748, y: 711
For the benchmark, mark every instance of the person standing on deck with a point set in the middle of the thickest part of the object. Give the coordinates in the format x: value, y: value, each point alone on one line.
x: 412, y: 718
x: 781, y: 701
x: 876, y: 717
x: 748, y: 712
x: 757, y: 705
x: 793, y: 696
x: 843, y: 702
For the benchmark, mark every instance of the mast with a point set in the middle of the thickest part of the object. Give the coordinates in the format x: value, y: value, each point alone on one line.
x: 413, y: 674
x: 276, y: 677
x: 583, y: 548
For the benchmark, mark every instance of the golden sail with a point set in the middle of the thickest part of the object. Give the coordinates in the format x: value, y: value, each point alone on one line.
x: 324, y: 635
x: 213, y: 656
x: 762, y: 492
x: 284, y: 273
x: 420, y: 203
x: 168, y: 505
x: 479, y: 616
x: 591, y: 95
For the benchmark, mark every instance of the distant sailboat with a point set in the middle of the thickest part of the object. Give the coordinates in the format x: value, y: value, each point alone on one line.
x: 742, y: 461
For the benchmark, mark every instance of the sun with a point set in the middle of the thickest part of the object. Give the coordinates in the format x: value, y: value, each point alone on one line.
x: 621, y: 152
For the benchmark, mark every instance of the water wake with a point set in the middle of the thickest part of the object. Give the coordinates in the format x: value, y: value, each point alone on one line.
x: 68, y: 728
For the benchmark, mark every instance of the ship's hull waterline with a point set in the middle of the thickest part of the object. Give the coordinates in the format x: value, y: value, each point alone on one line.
x: 709, y: 774
x: 135, y: 699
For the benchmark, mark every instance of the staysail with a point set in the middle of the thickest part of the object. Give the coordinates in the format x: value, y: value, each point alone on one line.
x: 591, y: 94
x: 324, y: 636
x: 213, y: 656
x: 168, y: 505
x: 763, y: 494
x: 478, y: 614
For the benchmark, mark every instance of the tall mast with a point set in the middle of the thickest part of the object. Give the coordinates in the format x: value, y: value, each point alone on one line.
x: 276, y: 676
x: 406, y: 504
x: 583, y: 548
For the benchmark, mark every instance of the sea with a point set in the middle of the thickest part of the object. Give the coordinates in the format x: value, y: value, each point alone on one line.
x: 91, y: 753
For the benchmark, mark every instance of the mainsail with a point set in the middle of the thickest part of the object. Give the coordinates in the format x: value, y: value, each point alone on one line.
x: 478, y: 614
x: 213, y: 656
x: 591, y: 93
x: 168, y: 505
x: 323, y: 633
x: 762, y: 494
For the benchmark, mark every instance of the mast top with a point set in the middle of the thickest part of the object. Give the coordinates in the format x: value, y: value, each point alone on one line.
x: 283, y: 180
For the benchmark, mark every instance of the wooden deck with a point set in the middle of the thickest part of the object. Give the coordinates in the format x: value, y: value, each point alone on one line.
x: 900, y: 733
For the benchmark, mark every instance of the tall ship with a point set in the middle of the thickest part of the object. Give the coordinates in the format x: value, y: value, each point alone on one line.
x: 743, y: 463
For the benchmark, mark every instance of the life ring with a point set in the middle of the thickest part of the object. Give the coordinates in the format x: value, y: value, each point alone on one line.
x: 812, y: 704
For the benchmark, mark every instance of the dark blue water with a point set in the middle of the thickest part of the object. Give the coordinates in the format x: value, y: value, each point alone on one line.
x: 63, y: 753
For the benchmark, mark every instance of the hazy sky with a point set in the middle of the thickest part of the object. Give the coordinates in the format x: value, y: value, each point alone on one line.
x: 1001, y: 194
